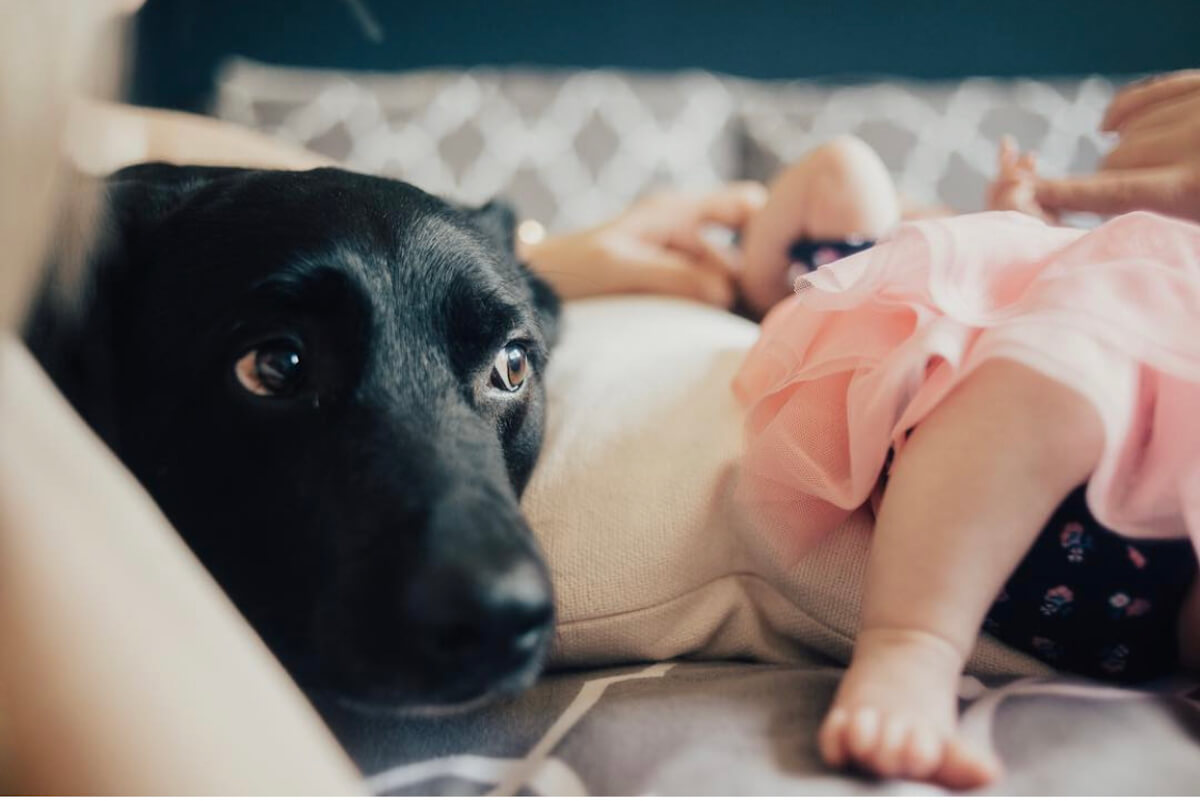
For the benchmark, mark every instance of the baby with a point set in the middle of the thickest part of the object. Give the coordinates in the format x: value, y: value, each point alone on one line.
x: 1017, y: 400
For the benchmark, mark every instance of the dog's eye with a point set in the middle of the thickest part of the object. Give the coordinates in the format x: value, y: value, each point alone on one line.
x: 511, y: 368
x: 274, y: 369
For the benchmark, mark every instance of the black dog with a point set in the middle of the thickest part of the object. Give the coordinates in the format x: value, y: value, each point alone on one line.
x: 331, y: 385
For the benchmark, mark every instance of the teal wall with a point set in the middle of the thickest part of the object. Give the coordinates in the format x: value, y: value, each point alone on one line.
x: 181, y: 41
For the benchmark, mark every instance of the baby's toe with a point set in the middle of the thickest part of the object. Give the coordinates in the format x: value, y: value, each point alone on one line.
x: 1006, y: 155
x: 893, y: 738
x: 862, y: 734
x: 831, y: 738
x: 964, y: 768
x: 921, y: 754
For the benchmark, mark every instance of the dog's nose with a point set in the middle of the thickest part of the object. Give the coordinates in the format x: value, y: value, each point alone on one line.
x: 471, y: 613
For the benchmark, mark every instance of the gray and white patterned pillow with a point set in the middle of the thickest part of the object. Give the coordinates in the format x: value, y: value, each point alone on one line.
x: 574, y: 147
x: 938, y: 139
x: 569, y: 148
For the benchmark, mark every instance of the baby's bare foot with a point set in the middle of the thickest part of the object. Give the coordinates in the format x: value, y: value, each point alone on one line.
x: 895, y: 713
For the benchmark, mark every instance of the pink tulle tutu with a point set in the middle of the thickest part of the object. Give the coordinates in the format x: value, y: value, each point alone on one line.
x: 871, y: 344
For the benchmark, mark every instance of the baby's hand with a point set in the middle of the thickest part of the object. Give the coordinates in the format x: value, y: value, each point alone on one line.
x: 1013, y: 188
x: 657, y: 246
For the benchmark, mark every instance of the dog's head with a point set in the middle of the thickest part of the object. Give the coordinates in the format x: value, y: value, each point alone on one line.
x: 331, y: 383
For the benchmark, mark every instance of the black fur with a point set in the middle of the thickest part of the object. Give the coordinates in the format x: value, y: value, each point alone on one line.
x: 367, y: 525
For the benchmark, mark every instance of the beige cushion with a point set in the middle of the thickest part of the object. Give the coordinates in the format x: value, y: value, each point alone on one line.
x: 631, y: 501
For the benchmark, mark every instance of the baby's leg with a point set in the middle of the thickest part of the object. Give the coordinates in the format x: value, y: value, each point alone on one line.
x: 837, y: 190
x: 965, y: 500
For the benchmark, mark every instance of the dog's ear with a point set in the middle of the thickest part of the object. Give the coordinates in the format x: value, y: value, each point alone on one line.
x: 134, y: 203
x: 71, y: 327
x: 138, y: 198
x: 498, y: 221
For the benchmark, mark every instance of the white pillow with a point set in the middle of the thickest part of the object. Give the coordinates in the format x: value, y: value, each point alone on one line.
x: 631, y: 503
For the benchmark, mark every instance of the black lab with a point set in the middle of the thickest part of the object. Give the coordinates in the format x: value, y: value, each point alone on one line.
x: 331, y: 384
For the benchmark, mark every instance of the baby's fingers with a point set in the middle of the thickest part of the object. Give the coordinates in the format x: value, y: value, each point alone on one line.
x: 1011, y: 163
x: 1006, y: 156
x: 732, y: 204
x: 670, y: 273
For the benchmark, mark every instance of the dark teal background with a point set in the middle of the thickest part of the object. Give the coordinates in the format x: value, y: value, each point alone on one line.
x: 180, y: 42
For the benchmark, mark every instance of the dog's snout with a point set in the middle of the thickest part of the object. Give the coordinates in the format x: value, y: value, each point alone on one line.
x: 475, y: 613
x: 450, y: 603
x: 519, y: 603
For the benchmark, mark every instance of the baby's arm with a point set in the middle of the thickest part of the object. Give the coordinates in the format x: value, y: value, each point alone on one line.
x: 966, y: 497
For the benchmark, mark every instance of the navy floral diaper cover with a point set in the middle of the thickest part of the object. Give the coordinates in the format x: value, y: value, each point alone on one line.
x: 1090, y: 601
x: 810, y: 254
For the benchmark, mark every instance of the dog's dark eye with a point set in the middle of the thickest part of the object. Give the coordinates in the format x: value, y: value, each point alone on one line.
x: 274, y: 369
x: 511, y: 368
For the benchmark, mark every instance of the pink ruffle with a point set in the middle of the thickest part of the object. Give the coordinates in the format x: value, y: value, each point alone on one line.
x: 872, y: 343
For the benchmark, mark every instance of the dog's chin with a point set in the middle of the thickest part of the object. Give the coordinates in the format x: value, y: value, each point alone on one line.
x: 450, y: 701
x: 451, y: 698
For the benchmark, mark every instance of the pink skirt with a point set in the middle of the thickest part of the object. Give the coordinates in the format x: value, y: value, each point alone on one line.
x: 871, y: 344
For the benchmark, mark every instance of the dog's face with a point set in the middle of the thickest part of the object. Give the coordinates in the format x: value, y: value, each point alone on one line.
x: 331, y: 383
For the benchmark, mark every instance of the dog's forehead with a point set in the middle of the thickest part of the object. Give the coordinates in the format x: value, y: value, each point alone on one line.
x: 401, y: 258
x: 447, y: 245
x: 434, y: 278
x: 421, y: 258
x: 460, y: 276
x: 379, y: 230
x: 393, y: 216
